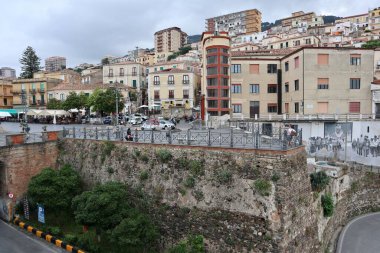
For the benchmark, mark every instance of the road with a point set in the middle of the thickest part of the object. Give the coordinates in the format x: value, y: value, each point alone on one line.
x: 15, y: 241
x: 361, y: 235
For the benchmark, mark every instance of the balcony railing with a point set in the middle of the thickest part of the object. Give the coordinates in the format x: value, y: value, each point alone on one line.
x: 156, y: 82
x: 170, y: 82
x: 110, y: 75
x: 185, y: 81
x: 134, y: 73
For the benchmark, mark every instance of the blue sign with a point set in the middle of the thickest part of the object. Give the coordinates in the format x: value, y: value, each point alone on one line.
x: 41, y: 214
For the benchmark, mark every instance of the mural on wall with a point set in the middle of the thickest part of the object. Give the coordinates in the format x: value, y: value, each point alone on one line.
x: 338, y: 143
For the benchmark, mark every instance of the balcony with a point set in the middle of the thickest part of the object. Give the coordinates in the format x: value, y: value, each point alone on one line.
x: 41, y: 90
x: 156, y: 82
x: 171, y: 82
x: 121, y: 74
x: 110, y: 75
x: 134, y: 73
x: 32, y: 91
x: 185, y: 81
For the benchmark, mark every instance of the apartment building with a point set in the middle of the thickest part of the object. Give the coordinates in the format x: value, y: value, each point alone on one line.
x: 173, y: 88
x: 300, y: 16
x: 302, y: 40
x: 169, y: 40
x: 361, y: 20
x: 6, y: 96
x: 92, y: 76
x: 131, y: 74
x: 216, y: 74
x: 306, y: 81
x: 34, y: 90
x: 55, y: 63
x: 6, y: 72
x: 61, y: 91
x: 374, y: 20
x: 66, y: 75
x: 186, y: 65
x: 237, y: 23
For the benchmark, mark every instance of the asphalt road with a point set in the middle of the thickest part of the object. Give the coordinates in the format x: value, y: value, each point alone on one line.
x: 362, y: 235
x: 15, y: 241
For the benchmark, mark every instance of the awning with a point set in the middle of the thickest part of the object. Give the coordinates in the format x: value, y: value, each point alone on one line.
x: 5, y: 114
x: 11, y: 111
x: 33, y: 112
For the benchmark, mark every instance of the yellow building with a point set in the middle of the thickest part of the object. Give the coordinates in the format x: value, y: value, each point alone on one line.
x: 173, y: 88
x: 374, y: 20
x: 6, y: 96
x: 34, y: 90
x: 169, y: 40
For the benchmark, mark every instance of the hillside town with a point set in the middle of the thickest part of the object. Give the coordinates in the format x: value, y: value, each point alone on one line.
x: 248, y: 136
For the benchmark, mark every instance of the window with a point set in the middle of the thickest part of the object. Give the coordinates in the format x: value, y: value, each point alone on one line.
x: 212, y: 71
x: 296, y: 107
x: 212, y: 103
x: 110, y: 73
x: 212, y: 82
x: 171, y: 93
x: 134, y: 83
x: 212, y: 93
x: 354, y: 107
x: 323, y: 107
x: 225, y: 93
x: 287, y: 66
x: 272, y: 88
x: 42, y: 87
x: 121, y: 71
x: 297, y: 43
x: 286, y: 87
x: 225, y: 104
x: 161, y: 68
x: 323, y: 59
x: 281, y: 45
x: 170, y: 79
x: 296, y: 84
x: 225, y: 82
x: 185, y: 93
x: 287, y: 44
x: 156, y: 80
x: 185, y: 79
x: 354, y: 83
x: 272, y: 108
x: 296, y: 62
x: 224, y: 59
x: 272, y: 68
x: 42, y: 99
x: 236, y: 88
x: 355, y: 59
x: 225, y: 71
x: 323, y: 83
x: 254, y: 88
x: 286, y: 107
x: 50, y: 96
x: 236, y: 68
x: 308, y: 42
x: 211, y: 59
x: 121, y: 81
x: 236, y: 108
x: 212, y: 50
x: 61, y: 96
x: 134, y: 73
x: 225, y: 50
x: 156, y: 94
x: 254, y: 69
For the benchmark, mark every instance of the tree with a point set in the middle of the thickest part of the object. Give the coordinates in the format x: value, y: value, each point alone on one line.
x: 105, y: 61
x: 371, y: 44
x: 193, y: 244
x: 319, y: 180
x: 54, y: 104
x: 75, y: 101
x: 30, y: 63
x: 103, y: 207
x: 55, y: 189
x: 105, y: 101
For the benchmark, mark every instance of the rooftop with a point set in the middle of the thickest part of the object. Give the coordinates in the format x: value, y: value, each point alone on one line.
x: 172, y: 70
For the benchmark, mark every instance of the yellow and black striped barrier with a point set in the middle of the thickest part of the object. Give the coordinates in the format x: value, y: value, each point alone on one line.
x: 47, y: 237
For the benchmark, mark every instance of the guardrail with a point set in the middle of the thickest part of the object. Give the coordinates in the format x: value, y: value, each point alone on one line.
x: 260, y: 138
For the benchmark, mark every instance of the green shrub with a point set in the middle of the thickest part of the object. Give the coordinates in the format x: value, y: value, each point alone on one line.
x: 198, y: 195
x: 144, y: 175
x: 319, y: 181
x: 193, y: 244
x: 71, y: 239
x: 189, y: 182
x: 136, y: 153
x: 86, y: 241
x: 328, y: 205
x: 182, y: 191
x: 183, y: 163
x: 164, y: 155
x: 275, y: 177
x: 263, y: 187
x: 196, y: 167
x: 144, y: 158
x: 110, y: 170
x: 56, y: 231
x: 224, y: 176
x: 108, y: 146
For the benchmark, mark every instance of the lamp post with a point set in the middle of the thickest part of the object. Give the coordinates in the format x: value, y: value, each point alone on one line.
x: 24, y: 99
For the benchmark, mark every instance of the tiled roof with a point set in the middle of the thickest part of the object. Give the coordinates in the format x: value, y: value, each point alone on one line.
x: 261, y: 52
x: 67, y: 86
x: 172, y: 70
x: 376, y: 82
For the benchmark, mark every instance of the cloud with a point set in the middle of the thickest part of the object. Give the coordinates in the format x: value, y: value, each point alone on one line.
x: 87, y: 30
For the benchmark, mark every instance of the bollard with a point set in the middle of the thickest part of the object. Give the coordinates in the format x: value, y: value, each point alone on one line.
x: 96, y: 133
x: 84, y: 133
x: 108, y: 134
x: 74, y: 132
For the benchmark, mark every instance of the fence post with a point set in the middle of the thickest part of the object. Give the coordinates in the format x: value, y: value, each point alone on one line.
x: 257, y: 139
x: 151, y: 137
x: 232, y: 138
x: 64, y: 132
x: 84, y: 133
x: 74, y: 132
x: 137, y: 136
x: 96, y: 133
x: 209, y: 137
x: 170, y: 136
x: 108, y: 134
x: 188, y: 137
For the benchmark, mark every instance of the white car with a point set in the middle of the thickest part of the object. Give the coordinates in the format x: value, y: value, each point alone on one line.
x: 166, y: 124
x: 136, y: 120
x: 149, y: 126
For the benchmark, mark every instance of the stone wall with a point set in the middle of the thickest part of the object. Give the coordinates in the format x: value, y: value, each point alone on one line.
x: 19, y: 163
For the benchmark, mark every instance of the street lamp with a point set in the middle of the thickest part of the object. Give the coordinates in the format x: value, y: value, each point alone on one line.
x: 24, y: 99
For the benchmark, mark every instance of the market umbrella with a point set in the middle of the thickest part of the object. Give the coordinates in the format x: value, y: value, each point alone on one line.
x: 55, y: 119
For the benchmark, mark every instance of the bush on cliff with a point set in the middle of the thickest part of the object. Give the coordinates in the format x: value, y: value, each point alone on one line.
x: 193, y: 244
x: 319, y: 180
x: 328, y: 205
x: 55, y: 189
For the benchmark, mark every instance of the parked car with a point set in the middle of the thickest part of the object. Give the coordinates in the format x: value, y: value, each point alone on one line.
x: 142, y: 116
x: 136, y: 120
x: 149, y: 126
x: 107, y: 120
x: 164, y: 124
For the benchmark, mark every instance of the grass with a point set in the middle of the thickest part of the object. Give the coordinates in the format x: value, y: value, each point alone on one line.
x: 263, y: 187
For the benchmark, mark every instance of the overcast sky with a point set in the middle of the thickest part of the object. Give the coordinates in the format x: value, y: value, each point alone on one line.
x: 86, y: 30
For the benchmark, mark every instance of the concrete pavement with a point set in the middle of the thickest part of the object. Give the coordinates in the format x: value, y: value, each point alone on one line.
x: 15, y: 241
x: 361, y: 235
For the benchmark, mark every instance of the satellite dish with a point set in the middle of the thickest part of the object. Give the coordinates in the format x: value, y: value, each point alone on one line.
x: 10, y: 195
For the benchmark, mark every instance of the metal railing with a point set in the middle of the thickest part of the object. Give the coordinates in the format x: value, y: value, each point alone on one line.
x: 259, y: 138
